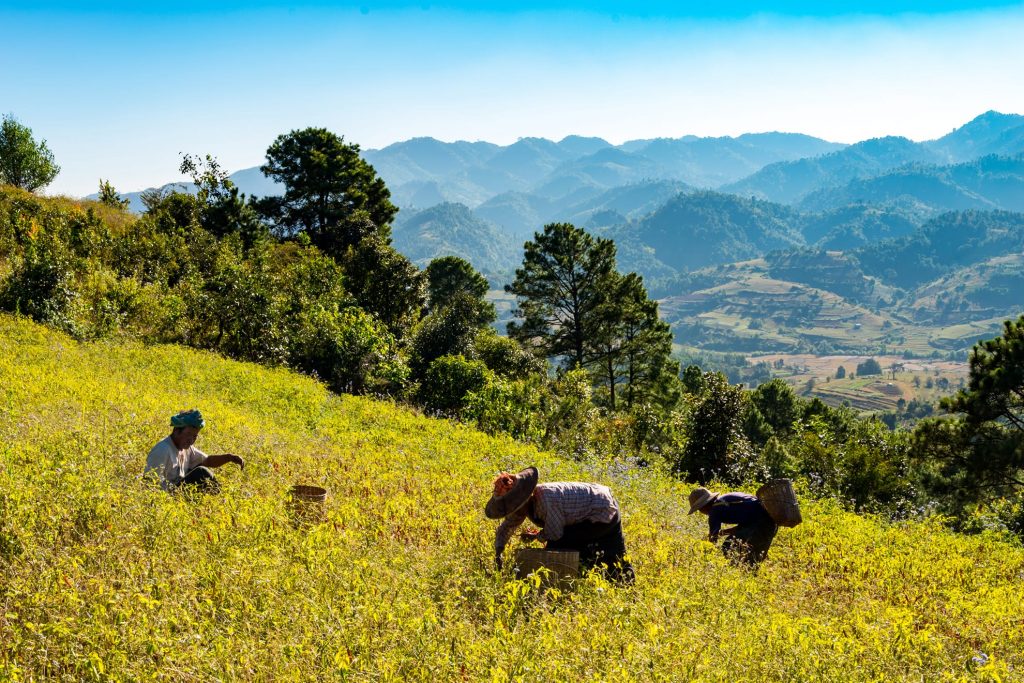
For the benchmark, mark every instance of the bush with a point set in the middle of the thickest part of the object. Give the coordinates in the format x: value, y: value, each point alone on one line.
x: 717, y: 448
x: 509, y: 406
x: 869, y: 367
x: 42, y: 284
x: 348, y: 349
x: 449, y: 381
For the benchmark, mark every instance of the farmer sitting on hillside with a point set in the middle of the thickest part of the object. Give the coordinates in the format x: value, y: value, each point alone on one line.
x: 178, y: 462
x: 748, y: 542
x: 572, y: 516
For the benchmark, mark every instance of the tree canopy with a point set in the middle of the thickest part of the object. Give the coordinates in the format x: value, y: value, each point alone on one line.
x: 979, y: 455
x: 331, y: 193
x: 561, y: 286
x: 24, y: 163
x: 448, y: 276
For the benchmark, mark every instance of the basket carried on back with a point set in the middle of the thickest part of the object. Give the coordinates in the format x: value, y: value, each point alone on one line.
x: 306, y: 504
x: 563, y: 564
x: 779, y: 499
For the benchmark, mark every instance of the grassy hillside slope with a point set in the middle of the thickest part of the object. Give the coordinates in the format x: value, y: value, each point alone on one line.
x: 106, y: 579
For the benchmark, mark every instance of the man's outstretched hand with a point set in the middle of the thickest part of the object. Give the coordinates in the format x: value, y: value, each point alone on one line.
x: 215, y: 461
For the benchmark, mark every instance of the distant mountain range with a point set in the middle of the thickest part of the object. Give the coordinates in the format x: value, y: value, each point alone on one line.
x: 724, y: 229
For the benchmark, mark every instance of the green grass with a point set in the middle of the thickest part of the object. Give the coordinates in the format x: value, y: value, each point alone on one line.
x: 105, y: 578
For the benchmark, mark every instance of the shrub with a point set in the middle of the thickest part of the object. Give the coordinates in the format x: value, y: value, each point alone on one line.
x: 42, y: 284
x: 449, y: 381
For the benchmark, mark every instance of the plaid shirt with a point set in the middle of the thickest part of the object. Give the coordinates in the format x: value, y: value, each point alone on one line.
x: 555, y: 506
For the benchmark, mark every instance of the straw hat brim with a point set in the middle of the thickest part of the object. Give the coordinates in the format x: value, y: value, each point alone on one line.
x: 702, y: 501
x: 502, y: 506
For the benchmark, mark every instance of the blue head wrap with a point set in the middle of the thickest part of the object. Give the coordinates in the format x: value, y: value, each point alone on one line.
x: 188, y: 418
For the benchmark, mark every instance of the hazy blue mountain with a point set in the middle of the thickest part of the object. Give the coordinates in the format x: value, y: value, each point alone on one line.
x: 1009, y: 143
x: 422, y: 159
x: 855, y: 225
x: 788, y: 182
x: 987, y: 183
x: 577, y: 146
x: 575, y: 168
x: 452, y: 229
x: 950, y: 241
x: 518, y: 214
x: 521, y: 214
x: 528, y: 159
x: 632, y: 201
x: 712, y: 162
x: 417, y: 194
x: 605, y: 169
x: 990, y: 133
x: 706, y: 228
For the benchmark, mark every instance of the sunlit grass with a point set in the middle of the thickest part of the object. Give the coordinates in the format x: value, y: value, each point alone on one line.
x: 106, y: 579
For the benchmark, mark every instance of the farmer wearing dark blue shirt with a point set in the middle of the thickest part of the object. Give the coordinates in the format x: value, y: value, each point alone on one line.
x: 748, y: 541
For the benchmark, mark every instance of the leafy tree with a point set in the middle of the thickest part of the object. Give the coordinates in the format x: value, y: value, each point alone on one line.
x: 561, y: 287
x: 348, y: 349
x: 42, y: 284
x: 717, y: 449
x: 331, y: 193
x: 237, y: 306
x: 979, y: 456
x: 448, y: 276
x: 448, y: 382
x: 506, y: 357
x: 570, y: 415
x: 510, y: 406
x: 385, y: 283
x: 777, y: 459
x: 223, y: 210
x: 755, y: 427
x: 694, y: 381
x: 778, y: 404
x: 634, y: 347
x: 840, y: 372
x: 23, y: 162
x: 109, y: 196
x: 448, y: 331
x: 869, y: 367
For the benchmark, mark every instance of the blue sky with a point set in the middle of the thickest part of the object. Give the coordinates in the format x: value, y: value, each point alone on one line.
x: 120, y: 89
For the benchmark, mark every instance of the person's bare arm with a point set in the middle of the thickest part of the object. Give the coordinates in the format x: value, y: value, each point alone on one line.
x: 215, y: 461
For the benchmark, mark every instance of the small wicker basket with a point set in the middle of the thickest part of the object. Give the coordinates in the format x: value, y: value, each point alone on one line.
x: 562, y: 565
x: 306, y: 504
x: 779, y: 499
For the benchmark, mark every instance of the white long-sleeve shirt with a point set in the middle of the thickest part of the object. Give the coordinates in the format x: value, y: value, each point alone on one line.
x: 172, y: 464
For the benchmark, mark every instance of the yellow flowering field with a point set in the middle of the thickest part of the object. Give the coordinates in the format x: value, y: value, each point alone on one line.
x: 103, y: 577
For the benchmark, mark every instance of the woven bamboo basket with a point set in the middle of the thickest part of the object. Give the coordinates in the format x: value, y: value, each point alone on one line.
x: 562, y: 565
x: 306, y: 504
x: 779, y: 499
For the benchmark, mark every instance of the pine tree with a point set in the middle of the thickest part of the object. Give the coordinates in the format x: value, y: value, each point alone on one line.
x: 562, y: 285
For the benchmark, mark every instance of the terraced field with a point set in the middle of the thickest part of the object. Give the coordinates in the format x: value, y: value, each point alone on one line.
x: 811, y: 375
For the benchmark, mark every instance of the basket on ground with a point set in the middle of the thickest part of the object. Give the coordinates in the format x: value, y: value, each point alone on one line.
x: 562, y: 565
x: 306, y: 504
x: 779, y: 499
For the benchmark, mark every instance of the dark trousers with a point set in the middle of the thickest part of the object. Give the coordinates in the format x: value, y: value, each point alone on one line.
x: 748, y: 545
x: 600, y: 544
x: 200, y: 479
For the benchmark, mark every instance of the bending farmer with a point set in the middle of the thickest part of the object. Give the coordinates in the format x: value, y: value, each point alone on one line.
x: 747, y: 542
x: 178, y: 462
x: 572, y: 516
